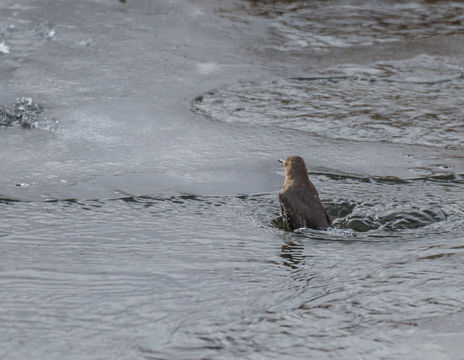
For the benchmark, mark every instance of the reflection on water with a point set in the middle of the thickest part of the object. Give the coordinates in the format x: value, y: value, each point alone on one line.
x: 400, y: 102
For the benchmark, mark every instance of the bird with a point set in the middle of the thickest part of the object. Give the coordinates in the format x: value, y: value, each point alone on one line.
x: 299, y: 200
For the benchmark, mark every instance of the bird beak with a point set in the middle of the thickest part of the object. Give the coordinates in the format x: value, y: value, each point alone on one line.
x: 282, y: 161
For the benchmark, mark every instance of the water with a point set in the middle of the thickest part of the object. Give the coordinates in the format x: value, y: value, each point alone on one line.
x: 138, y: 196
x: 355, y: 104
x: 321, y: 25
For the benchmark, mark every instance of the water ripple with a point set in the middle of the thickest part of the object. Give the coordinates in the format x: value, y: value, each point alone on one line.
x: 400, y: 103
x: 321, y: 25
x: 210, y: 276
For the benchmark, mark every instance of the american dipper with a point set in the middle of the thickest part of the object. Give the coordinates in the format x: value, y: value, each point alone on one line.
x: 299, y: 200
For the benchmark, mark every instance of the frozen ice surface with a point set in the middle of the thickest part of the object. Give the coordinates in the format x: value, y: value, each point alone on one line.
x: 4, y: 49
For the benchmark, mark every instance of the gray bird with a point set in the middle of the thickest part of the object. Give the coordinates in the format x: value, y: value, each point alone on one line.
x: 299, y: 200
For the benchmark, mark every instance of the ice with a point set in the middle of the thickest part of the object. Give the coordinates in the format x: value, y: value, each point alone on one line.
x: 207, y: 68
x: 4, y: 49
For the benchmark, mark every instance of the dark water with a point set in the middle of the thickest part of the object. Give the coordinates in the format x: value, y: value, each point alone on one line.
x: 138, y: 198
x: 320, y: 25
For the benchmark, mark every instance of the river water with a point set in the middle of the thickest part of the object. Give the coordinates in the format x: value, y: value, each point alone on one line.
x: 139, y: 215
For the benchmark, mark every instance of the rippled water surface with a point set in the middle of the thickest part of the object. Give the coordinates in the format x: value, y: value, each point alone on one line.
x: 416, y: 102
x: 210, y: 277
x: 139, y: 214
x: 320, y: 25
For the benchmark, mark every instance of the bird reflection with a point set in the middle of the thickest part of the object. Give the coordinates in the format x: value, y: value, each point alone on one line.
x: 292, y: 254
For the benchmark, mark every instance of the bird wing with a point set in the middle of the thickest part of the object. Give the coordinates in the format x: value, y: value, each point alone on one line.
x: 303, y: 210
x: 292, y: 212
